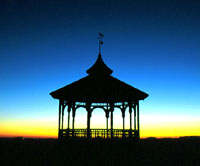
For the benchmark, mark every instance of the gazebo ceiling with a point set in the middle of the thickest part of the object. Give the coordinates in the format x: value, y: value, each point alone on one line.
x: 99, y: 87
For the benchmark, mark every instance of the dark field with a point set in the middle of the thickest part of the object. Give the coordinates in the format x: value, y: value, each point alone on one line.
x: 147, y: 152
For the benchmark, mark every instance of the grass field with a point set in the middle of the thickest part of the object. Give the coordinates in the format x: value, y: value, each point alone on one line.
x: 146, y: 152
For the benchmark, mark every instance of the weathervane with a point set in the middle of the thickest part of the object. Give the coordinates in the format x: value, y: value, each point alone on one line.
x: 100, y: 37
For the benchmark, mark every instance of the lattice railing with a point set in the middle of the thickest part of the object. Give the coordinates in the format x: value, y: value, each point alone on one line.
x: 95, y: 133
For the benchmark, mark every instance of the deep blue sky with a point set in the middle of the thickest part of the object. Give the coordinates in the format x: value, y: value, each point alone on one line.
x: 151, y: 45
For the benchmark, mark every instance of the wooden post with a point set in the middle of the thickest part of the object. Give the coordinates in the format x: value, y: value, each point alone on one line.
x: 111, y: 123
x: 68, y: 110
x: 59, y: 119
x: 134, y: 117
x: 73, y: 116
x: 130, y: 112
x: 123, y: 116
x: 107, y: 116
x: 88, y: 124
x: 88, y: 119
x: 138, y: 120
x: 63, y: 108
x: 107, y: 124
x: 111, y: 119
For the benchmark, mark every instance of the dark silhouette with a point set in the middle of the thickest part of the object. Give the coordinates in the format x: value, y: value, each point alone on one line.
x: 100, y: 152
x: 99, y: 90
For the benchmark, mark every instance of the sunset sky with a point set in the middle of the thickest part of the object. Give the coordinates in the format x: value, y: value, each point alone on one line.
x: 153, y: 45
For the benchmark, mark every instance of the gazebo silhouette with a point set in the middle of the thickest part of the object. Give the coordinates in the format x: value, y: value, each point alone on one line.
x: 99, y: 90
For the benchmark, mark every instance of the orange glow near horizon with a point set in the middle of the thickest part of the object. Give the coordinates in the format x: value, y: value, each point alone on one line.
x: 150, y: 126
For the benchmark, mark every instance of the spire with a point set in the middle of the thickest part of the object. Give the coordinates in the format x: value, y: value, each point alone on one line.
x: 99, y: 68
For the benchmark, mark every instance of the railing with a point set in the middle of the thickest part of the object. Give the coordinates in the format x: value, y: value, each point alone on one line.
x: 98, y: 133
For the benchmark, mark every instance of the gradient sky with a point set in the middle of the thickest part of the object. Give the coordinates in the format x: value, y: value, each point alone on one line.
x: 153, y: 45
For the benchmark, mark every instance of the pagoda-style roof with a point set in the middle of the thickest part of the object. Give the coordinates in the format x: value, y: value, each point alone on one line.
x: 99, y: 87
x: 99, y: 68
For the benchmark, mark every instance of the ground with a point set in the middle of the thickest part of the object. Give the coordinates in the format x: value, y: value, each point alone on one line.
x: 146, y: 152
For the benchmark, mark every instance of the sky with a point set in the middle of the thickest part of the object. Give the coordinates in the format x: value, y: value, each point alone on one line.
x: 153, y: 45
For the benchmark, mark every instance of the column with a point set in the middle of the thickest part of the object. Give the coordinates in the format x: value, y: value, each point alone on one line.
x: 111, y: 118
x: 68, y: 121
x: 130, y: 112
x: 107, y: 116
x: 123, y: 116
x: 73, y: 118
x: 88, y: 108
x: 63, y: 108
x: 68, y: 110
x: 134, y: 117
x: 138, y: 121
x: 59, y: 119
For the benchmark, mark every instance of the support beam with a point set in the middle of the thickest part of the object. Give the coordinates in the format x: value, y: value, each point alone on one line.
x: 107, y: 116
x: 68, y: 110
x: 89, y: 114
x: 134, y: 117
x: 73, y: 118
x: 130, y: 112
x: 111, y: 118
x: 59, y: 114
x: 123, y: 116
x: 68, y: 120
x: 138, y: 120
x: 63, y: 108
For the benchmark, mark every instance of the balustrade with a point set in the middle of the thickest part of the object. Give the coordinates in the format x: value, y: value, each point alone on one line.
x: 98, y: 133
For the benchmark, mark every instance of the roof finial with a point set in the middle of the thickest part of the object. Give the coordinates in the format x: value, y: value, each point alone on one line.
x: 101, y: 35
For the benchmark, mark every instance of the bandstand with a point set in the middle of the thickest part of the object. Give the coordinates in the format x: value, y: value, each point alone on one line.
x: 99, y: 90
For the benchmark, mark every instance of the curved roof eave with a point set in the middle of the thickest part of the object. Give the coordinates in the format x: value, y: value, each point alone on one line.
x: 99, y: 89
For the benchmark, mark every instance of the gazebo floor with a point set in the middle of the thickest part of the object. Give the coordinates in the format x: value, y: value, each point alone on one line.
x: 99, y: 133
